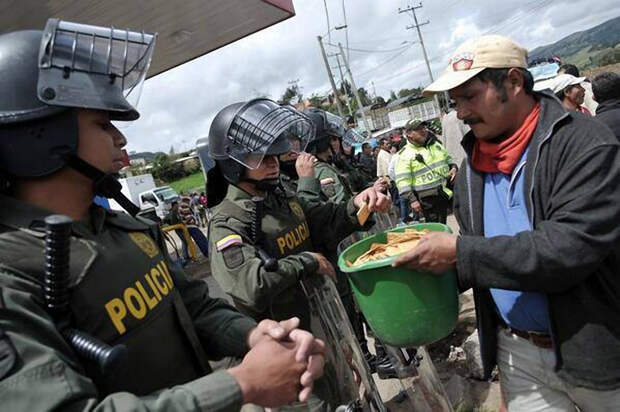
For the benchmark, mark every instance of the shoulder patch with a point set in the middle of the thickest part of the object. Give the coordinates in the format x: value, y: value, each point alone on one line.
x: 233, y: 256
x: 228, y: 241
x: 327, y: 181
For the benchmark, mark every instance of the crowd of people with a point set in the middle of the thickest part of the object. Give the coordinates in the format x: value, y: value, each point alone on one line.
x: 536, y: 197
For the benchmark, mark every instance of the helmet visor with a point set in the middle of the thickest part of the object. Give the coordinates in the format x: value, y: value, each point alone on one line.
x: 351, y: 137
x: 94, y: 67
x: 334, y: 125
x: 259, y: 124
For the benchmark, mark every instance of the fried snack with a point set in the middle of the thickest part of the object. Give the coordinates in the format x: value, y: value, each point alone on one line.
x: 397, y: 243
x: 363, y: 213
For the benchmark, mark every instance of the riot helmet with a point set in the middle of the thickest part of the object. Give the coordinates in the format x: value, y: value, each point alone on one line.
x: 242, y: 134
x: 46, y: 76
x: 327, y: 126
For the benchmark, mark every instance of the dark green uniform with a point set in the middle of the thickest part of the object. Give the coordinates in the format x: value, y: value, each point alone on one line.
x: 292, y: 226
x: 124, y: 290
x: 334, y: 184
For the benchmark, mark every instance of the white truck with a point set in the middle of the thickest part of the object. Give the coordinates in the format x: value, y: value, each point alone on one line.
x: 143, y: 192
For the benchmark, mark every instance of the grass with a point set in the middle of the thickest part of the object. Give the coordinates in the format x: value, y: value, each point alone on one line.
x: 191, y: 183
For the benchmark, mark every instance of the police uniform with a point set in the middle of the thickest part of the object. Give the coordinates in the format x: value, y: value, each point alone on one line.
x: 334, y: 185
x: 124, y: 290
x: 422, y: 173
x: 292, y: 226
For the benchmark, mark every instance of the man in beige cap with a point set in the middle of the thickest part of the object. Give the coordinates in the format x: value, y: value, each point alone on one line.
x: 538, y: 205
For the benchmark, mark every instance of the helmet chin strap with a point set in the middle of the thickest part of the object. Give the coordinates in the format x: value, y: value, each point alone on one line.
x: 104, y: 184
x: 265, y: 185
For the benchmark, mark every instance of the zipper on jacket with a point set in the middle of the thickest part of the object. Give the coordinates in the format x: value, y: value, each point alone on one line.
x: 556, y: 349
x: 469, y: 196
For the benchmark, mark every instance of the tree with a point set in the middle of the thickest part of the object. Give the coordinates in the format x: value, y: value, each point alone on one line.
x: 292, y: 95
x: 364, y: 96
x: 171, y: 151
x: 406, y: 92
x: 392, y: 96
x: 379, y: 100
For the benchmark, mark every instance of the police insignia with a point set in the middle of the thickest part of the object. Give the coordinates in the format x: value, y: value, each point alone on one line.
x: 297, y: 210
x: 145, y: 243
x: 228, y: 241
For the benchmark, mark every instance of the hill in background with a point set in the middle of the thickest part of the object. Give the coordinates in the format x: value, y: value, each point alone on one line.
x: 598, y: 46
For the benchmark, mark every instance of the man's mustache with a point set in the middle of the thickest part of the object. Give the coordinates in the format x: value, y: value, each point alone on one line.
x: 472, y: 120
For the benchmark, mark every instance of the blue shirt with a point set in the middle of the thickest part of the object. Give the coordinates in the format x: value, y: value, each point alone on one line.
x: 505, y: 213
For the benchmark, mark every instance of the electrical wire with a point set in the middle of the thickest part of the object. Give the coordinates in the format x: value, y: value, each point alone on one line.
x: 371, y: 51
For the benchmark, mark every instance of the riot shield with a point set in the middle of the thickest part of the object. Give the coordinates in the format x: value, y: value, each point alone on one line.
x: 347, y: 372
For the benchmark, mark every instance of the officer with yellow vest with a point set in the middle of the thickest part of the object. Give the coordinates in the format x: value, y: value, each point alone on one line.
x: 424, y: 172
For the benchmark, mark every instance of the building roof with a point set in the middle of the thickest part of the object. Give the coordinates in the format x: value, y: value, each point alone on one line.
x: 403, y: 100
x: 186, y: 29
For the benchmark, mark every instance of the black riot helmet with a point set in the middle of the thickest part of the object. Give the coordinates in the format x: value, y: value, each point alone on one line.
x: 242, y: 134
x: 47, y: 76
x: 329, y: 125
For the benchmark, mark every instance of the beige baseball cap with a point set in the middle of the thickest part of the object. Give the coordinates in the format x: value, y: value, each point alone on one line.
x: 475, y: 55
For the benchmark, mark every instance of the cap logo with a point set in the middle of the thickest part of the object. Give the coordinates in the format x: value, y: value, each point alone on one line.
x: 462, y: 61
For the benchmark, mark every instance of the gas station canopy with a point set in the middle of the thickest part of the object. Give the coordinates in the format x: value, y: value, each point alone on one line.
x: 186, y: 29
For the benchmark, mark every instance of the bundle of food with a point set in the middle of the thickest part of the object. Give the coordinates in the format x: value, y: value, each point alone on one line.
x: 397, y: 243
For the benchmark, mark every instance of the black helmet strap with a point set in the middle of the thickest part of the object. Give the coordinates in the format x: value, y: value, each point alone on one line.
x: 104, y: 184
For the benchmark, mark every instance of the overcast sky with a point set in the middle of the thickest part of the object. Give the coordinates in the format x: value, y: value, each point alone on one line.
x: 177, y: 106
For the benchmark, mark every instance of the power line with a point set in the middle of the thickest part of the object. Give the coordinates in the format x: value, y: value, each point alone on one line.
x: 371, y: 51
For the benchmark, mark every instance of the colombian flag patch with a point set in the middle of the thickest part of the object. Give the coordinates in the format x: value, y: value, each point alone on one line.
x: 228, y: 241
x: 327, y: 181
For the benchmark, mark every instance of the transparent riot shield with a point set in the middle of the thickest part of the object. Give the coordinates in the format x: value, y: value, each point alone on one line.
x: 351, y: 385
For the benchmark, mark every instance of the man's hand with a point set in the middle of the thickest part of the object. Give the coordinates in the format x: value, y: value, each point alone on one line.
x: 269, y: 374
x: 325, y: 268
x: 381, y: 185
x: 272, y: 329
x: 309, y: 349
x: 452, y: 173
x: 416, y: 206
x: 305, y: 165
x: 377, y: 201
x: 435, y: 253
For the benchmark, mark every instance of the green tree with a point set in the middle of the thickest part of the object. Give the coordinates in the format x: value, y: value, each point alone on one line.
x: 292, y: 95
x: 392, y: 96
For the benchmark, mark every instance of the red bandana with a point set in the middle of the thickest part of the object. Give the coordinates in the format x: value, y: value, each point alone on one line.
x: 503, y: 156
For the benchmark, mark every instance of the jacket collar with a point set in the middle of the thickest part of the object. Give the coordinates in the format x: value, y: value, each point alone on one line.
x: 551, y: 110
x: 612, y: 104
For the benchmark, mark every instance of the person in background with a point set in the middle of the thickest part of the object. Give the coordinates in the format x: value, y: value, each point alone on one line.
x: 538, y: 207
x: 173, y: 218
x: 423, y: 172
x: 367, y: 161
x: 568, y: 89
x: 188, y: 217
x: 453, y: 130
x: 383, y: 158
x: 588, y: 100
x: 606, y: 88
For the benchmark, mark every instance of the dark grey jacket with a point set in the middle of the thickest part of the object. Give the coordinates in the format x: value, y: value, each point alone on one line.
x: 572, y: 187
x: 608, y: 112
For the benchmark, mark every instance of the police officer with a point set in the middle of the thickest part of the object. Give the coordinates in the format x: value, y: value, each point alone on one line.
x: 329, y: 129
x: 257, y: 221
x: 423, y: 172
x: 58, y: 148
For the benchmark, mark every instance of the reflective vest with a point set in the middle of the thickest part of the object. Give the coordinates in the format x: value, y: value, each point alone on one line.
x: 422, y: 169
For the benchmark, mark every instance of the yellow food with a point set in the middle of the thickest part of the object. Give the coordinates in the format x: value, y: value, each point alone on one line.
x: 397, y: 243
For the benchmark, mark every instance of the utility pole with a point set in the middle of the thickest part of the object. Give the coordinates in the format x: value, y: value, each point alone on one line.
x: 417, y: 27
x: 357, y: 96
x: 346, y: 95
x: 374, y: 91
x: 331, y: 77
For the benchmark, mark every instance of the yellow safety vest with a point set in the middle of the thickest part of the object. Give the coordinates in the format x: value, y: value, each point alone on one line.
x: 414, y: 175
